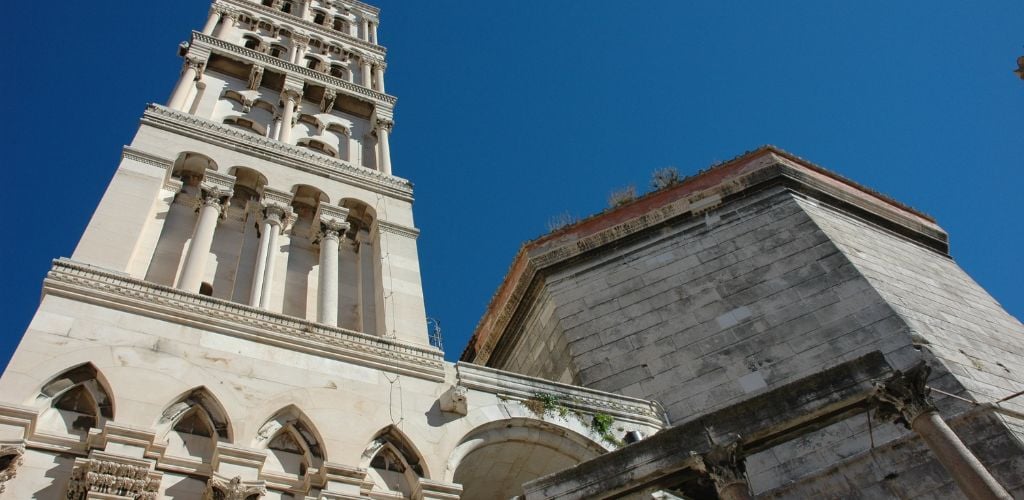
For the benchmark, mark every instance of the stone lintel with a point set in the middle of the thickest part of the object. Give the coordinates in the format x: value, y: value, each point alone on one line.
x: 760, y: 422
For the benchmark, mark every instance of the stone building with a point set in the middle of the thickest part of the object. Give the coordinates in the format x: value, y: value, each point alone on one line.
x: 783, y: 316
x: 243, y: 317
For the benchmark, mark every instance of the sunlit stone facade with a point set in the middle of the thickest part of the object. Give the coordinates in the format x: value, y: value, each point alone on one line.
x: 243, y: 317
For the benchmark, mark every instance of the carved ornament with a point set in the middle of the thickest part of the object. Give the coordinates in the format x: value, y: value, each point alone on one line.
x: 11, y: 458
x: 233, y: 489
x: 112, y: 478
x: 904, y: 397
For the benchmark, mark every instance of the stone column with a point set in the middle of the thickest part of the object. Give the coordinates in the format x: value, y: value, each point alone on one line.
x: 215, y: 191
x: 365, y: 25
x: 275, y: 216
x: 190, y: 73
x: 290, y: 99
x: 304, y: 9
x: 905, y: 397
x: 724, y: 465
x: 364, y: 70
x: 378, y: 73
x: 383, y: 148
x: 373, y: 31
x: 216, y: 13
x: 300, y: 44
x: 332, y: 220
x: 229, y: 21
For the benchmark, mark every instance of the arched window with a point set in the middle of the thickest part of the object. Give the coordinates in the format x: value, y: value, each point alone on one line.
x: 392, y: 463
x: 193, y: 424
x: 339, y: 71
x: 246, y: 123
x: 292, y: 443
x: 278, y: 51
x: 340, y: 24
x: 78, y: 399
x: 319, y: 17
x: 251, y: 42
x: 286, y: 7
x: 318, y: 146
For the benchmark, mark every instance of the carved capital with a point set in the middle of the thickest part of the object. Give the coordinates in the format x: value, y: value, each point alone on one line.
x: 381, y: 65
x: 904, y: 397
x: 215, y: 190
x: 333, y: 221
x: 10, y: 460
x: 233, y: 489
x: 300, y: 39
x: 196, y: 63
x: 289, y: 94
x: 384, y: 124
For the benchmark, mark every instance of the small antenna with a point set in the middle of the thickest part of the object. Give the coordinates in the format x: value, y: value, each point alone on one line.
x: 435, y: 333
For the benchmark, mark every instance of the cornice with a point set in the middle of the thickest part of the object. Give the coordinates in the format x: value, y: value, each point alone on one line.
x: 521, y: 387
x: 309, y: 25
x: 216, y: 45
x: 130, y: 153
x: 94, y: 285
x: 295, y: 157
x: 398, y: 229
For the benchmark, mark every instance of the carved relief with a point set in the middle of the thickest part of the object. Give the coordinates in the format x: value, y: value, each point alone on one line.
x: 255, y: 77
x: 112, y: 478
x: 904, y: 397
x: 724, y: 465
x: 327, y: 103
x: 233, y: 489
x: 10, y: 460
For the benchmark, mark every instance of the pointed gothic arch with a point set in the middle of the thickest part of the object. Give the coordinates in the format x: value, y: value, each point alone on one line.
x: 392, y: 462
x: 193, y: 424
x: 79, y: 398
x: 292, y: 442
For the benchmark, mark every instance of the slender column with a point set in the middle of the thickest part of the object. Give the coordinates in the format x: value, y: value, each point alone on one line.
x: 289, y: 99
x: 216, y: 12
x: 300, y: 44
x: 215, y: 192
x: 724, y: 465
x: 383, y: 148
x: 906, y: 398
x: 189, y: 75
x: 274, y: 217
x: 229, y: 21
x: 373, y: 32
x: 332, y: 227
x: 304, y: 9
x: 365, y: 24
x: 378, y: 73
x: 364, y: 69
x: 354, y: 147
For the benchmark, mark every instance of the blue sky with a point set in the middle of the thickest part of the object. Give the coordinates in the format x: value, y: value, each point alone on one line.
x: 511, y: 113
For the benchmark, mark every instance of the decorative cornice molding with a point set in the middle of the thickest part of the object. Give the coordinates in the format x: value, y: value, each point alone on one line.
x: 521, y: 387
x: 130, y: 153
x: 253, y: 57
x: 95, y: 285
x: 309, y: 25
x: 398, y: 229
x: 295, y: 157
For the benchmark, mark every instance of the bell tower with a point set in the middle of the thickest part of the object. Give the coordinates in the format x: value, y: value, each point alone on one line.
x: 266, y: 179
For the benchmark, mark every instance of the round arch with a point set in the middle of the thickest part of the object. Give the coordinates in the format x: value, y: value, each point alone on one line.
x: 495, y: 459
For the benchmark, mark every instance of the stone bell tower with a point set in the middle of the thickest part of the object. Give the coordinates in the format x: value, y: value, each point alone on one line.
x: 266, y: 179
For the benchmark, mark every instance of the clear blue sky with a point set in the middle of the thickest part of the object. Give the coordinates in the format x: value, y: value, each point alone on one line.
x: 510, y: 113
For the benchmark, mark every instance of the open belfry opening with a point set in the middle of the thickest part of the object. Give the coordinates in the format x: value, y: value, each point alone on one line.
x: 243, y: 318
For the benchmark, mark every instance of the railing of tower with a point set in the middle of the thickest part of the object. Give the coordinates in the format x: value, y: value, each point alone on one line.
x: 434, y: 333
